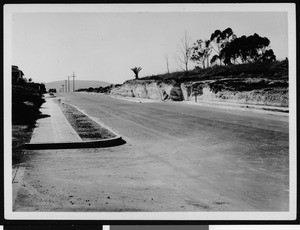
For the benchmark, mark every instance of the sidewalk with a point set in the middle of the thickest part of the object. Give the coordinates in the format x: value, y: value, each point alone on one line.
x: 55, y: 128
x: 55, y: 132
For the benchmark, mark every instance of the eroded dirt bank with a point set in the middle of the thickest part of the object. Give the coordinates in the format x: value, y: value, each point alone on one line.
x: 249, y: 91
x: 255, y: 84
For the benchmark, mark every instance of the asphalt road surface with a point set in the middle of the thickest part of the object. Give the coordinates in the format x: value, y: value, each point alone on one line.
x: 177, y: 157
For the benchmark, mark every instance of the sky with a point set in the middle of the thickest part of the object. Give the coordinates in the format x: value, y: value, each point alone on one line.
x: 105, y: 46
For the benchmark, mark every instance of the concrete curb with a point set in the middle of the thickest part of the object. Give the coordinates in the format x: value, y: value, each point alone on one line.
x: 73, y: 145
x: 110, y: 142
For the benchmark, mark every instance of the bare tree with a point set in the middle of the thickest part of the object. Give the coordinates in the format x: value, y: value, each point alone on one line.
x: 185, y: 52
x: 167, y: 62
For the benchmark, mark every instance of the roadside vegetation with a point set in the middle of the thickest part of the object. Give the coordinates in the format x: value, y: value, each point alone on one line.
x: 136, y: 71
x: 86, y: 128
x: 224, y: 48
x: 262, y: 83
x: 225, y: 55
x: 100, y: 89
x: 226, y: 68
x: 27, y: 98
x: 272, y: 70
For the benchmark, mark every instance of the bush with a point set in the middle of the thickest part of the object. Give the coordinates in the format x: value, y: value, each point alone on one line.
x: 240, y: 85
x: 272, y: 70
x: 25, y: 105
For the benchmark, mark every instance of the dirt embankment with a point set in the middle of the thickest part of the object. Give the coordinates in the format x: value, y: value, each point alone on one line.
x: 149, y: 89
x: 249, y: 85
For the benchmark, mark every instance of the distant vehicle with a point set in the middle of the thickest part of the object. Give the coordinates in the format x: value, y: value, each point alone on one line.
x: 52, y: 91
x: 51, y: 94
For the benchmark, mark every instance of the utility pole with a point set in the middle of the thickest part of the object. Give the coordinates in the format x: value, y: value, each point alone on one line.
x: 73, y: 76
x: 66, y: 89
x: 68, y: 83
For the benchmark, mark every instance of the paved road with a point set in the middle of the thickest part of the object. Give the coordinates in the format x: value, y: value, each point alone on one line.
x: 178, y: 157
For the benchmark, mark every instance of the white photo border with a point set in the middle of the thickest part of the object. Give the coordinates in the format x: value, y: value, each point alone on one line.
x: 10, y: 9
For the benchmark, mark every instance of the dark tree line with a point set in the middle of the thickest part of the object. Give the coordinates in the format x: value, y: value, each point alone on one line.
x: 99, y: 89
x: 229, y: 49
x: 26, y: 99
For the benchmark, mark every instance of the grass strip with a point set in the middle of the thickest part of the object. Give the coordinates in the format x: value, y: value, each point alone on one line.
x: 86, y: 128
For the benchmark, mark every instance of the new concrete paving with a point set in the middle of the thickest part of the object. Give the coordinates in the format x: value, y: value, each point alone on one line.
x: 55, y: 132
x: 178, y: 157
x: 54, y: 128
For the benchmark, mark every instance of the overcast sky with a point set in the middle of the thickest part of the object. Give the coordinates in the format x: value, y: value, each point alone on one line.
x: 104, y: 46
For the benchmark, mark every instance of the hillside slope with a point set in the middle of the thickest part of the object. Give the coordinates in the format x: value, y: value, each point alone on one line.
x: 257, y: 83
x: 78, y: 84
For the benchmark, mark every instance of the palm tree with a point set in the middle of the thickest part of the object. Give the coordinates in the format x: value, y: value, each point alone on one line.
x: 136, y: 71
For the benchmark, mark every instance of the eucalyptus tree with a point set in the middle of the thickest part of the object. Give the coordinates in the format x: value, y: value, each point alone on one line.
x: 220, y: 39
x: 248, y: 49
x: 201, y: 52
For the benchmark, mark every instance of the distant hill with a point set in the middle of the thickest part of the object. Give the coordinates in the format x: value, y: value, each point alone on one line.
x: 79, y: 84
